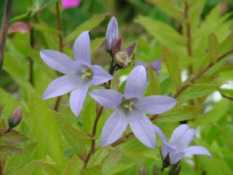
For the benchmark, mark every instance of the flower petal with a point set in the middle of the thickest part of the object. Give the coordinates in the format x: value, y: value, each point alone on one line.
x: 157, y: 66
x: 155, y: 104
x: 143, y: 129
x: 186, y: 139
x: 82, y: 48
x: 58, y: 61
x: 166, y: 148
x: 70, y: 3
x: 160, y: 133
x: 77, y: 98
x: 111, y: 34
x: 113, y: 129
x: 196, y: 150
x: 178, y: 133
x: 107, y: 98
x: 136, y: 83
x: 175, y: 156
x: 100, y: 76
x: 63, y: 85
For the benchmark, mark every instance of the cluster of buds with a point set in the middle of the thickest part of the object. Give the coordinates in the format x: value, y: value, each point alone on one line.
x: 113, y: 46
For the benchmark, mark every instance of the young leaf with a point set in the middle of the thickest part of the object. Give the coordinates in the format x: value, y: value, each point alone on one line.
x: 172, y: 67
x: 74, y: 167
x: 29, y: 168
x: 13, y: 137
x: 87, y: 25
x: 154, y: 82
x: 96, y: 170
x: 180, y: 113
x: 213, y: 48
x: 6, y: 149
x: 95, y: 44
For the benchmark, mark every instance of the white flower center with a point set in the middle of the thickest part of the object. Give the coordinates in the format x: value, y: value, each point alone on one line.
x: 127, y: 104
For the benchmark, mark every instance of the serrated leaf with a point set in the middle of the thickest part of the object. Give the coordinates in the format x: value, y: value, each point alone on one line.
x: 98, y: 157
x: 50, y: 169
x: 74, y: 167
x: 87, y: 25
x: 111, y: 162
x: 29, y: 168
x: 170, y: 8
x: 154, y: 82
x: 165, y: 34
x: 213, y: 48
x: 12, y: 137
x: 180, y: 113
x: 44, y: 28
x: 172, y: 67
x: 197, y: 90
x: 7, y: 149
x: 96, y: 170
x: 95, y: 44
x: 16, y: 162
x: 76, y: 138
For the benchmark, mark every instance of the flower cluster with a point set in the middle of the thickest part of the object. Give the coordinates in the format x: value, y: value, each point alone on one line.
x: 129, y: 108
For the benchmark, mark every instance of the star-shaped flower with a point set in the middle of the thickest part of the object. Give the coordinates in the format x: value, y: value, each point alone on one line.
x: 130, y: 108
x: 80, y: 74
x: 176, y: 148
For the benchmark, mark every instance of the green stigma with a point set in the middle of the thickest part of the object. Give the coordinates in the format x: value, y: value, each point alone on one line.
x: 87, y: 73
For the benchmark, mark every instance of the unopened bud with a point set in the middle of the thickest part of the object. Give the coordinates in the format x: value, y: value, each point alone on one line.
x: 15, y: 118
x: 143, y: 171
x: 111, y: 35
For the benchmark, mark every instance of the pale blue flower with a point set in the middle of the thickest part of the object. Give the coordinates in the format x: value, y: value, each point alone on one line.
x: 80, y: 74
x: 156, y: 65
x: 176, y: 148
x: 131, y: 108
x: 111, y: 34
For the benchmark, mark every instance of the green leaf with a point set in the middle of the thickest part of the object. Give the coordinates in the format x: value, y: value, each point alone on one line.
x: 87, y: 25
x: 154, y: 82
x: 111, y: 162
x: 95, y: 44
x: 170, y: 8
x: 17, y: 161
x: 180, y: 113
x: 44, y: 28
x: 46, y: 131
x: 50, y: 169
x: 7, y: 149
x: 98, y: 157
x: 12, y: 137
x: 197, y: 90
x: 165, y: 34
x: 74, y: 167
x: 172, y: 67
x: 96, y: 170
x: 213, y: 48
x: 76, y: 138
x: 29, y: 168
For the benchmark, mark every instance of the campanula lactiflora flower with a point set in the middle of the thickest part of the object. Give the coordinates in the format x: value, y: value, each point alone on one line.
x: 131, y: 108
x: 80, y: 74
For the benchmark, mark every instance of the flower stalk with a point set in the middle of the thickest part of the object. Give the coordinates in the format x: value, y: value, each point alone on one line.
x: 4, y: 31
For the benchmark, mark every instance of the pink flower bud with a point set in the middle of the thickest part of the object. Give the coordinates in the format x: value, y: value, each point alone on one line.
x: 15, y: 118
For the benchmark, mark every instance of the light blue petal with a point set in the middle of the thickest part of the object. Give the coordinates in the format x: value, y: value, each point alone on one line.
x: 136, y: 82
x: 155, y: 104
x: 107, y: 98
x: 111, y: 34
x: 77, y: 98
x: 58, y: 61
x: 100, y: 76
x: 82, y: 48
x: 197, y: 150
x: 143, y: 129
x: 178, y: 133
x: 113, y: 129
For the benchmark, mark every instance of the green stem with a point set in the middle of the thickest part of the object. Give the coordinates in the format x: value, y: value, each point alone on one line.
x: 4, y: 31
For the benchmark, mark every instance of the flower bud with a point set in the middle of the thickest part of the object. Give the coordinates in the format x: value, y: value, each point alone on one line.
x: 15, y: 118
x: 111, y: 35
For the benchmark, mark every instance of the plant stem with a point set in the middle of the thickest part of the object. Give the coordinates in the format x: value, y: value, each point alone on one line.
x: 92, y: 150
x: 4, y: 31
x: 30, y: 59
x: 225, y: 96
x: 59, y: 26
x: 186, y: 85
